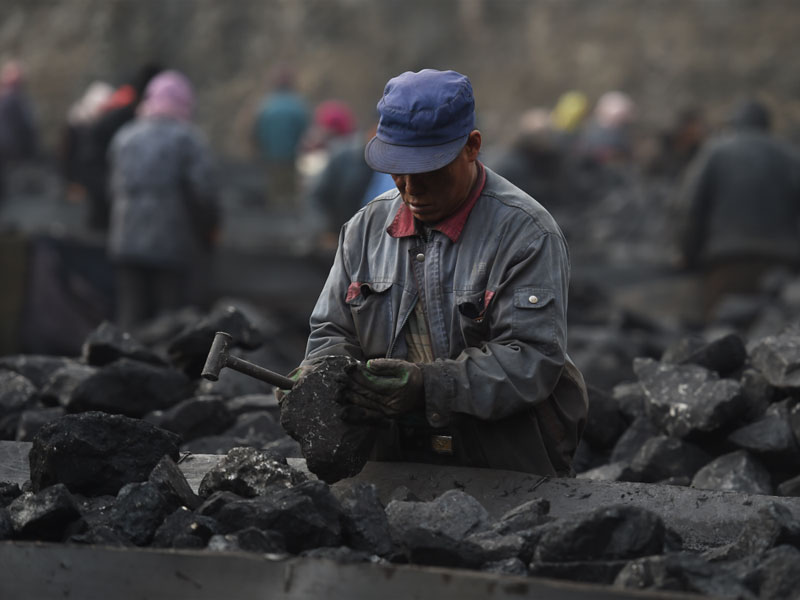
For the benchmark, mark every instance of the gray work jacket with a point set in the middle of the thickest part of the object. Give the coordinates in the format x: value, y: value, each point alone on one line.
x: 496, y: 300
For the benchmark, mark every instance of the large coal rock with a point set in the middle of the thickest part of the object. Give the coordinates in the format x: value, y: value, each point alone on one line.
x: 45, y: 515
x: 365, y: 524
x: 772, y: 526
x: 663, y: 457
x: 630, y: 442
x: 311, y: 414
x: 435, y: 532
x: 184, y: 529
x: 776, y: 575
x: 724, y: 355
x: 688, y: 400
x: 737, y: 471
x: 605, y: 422
x: 107, y: 343
x: 34, y: 367
x: 172, y: 484
x: 132, y: 388
x: 138, y: 512
x: 778, y: 358
x: 95, y: 453
x: 60, y: 386
x: 193, y: 418
x: 249, y: 472
x: 771, y: 437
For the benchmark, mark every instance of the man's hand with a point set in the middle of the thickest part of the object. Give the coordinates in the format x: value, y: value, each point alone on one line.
x: 388, y: 386
x: 295, y: 375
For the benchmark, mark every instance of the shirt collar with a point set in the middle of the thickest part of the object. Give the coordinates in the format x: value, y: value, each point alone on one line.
x: 403, y: 223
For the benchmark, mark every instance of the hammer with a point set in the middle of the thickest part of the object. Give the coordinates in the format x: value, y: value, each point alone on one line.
x: 219, y: 358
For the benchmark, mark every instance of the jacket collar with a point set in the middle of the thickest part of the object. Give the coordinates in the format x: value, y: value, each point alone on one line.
x: 403, y: 223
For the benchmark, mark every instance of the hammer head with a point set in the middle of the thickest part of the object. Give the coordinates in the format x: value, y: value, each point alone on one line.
x: 217, y: 356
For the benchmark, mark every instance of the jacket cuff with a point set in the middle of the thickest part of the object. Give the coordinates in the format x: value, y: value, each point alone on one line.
x: 440, y: 392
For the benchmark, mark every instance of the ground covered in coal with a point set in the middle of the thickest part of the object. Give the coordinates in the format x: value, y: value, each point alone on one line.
x: 714, y: 408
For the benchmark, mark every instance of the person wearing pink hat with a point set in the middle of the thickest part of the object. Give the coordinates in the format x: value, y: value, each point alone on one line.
x: 164, y: 212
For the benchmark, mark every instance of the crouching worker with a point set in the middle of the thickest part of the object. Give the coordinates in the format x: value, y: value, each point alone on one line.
x: 451, y: 292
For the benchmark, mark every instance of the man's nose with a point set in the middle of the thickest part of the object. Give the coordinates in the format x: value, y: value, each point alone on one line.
x: 413, y: 184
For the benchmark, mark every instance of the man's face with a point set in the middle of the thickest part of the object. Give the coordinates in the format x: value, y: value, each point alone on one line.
x: 435, y: 195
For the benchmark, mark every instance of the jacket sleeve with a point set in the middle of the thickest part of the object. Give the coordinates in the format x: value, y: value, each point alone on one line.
x: 524, y: 353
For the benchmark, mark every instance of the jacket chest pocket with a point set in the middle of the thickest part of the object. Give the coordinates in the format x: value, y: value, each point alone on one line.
x: 471, y: 310
x: 373, y: 316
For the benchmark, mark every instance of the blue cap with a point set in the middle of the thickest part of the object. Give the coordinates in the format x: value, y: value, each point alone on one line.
x: 425, y: 120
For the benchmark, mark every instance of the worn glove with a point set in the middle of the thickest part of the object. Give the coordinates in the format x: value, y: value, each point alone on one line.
x: 386, y: 385
x: 295, y: 375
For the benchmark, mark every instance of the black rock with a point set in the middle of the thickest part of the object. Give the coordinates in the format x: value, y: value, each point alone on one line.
x: 758, y: 393
x: 96, y: 510
x: 680, y: 571
x: 311, y: 414
x: 6, y: 524
x: 364, y: 522
x: 630, y: 399
x: 771, y: 437
x: 605, y: 422
x: 189, y: 349
x: 307, y: 515
x: 45, y: 515
x: 662, y: 457
x: 606, y: 533
x: 60, y: 386
x: 772, y: 526
x: 434, y: 533
x: 250, y: 539
x: 737, y: 471
x: 95, y: 453
x: 776, y: 575
x: 108, y: 343
x: 8, y: 492
x: 524, y: 518
x: 172, y: 484
x: 790, y: 487
x: 212, y: 505
x: 184, y: 529
x: 256, y: 429
x: 249, y: 472
x: 253, y: 402
x: 688, y: 400
x: 777, y: 357
x: 31, y: 421
x: 194, y: 417
x: 138, y: 512
x: 630, y: 442
x: 130, y: 388
x: 36, y: 368
x: 724, y: 355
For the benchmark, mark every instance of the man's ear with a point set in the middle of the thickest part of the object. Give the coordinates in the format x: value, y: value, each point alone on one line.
x: 473, y: 145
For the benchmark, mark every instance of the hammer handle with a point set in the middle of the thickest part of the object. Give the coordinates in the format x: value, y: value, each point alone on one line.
x: 248, y: 368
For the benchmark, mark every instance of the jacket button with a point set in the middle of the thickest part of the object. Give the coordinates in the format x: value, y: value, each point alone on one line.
x: 533, y: 299
x: 420, y: 257
x: 435, y: 417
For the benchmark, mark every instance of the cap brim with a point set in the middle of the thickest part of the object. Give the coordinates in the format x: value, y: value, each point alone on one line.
x: 402, y: 160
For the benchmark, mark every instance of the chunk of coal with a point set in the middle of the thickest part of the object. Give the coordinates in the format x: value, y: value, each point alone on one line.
x: 777, y: 357
x: 662, y: 457
x: 250, y: 539
x: 771, y: 437
x: 212, y: 505
x: 253, y: 402
x: 311, y: 414
x: 681, y: 571
x: 34, y: 367
x: 737, y: 471
x: 630, y: 399
x: 524, y: 517
x: 138, y: 512
x: 776, y: 575
x: 758, y: 392
x: 172, y: 484
x: 724, y: 355
x: 494, y: 547
x: 606, y: 533
x: 307, y: 515
x: 184, y: 529
x: 108, y: 343
x: 256, y: 429
x: 132, y: 388
x: 630, y: 442
x: 31, y: 421
x: 6, y: 524
x: 249, y: 472
x: 60, y: 386
x: 194, y: 417
x: 772, y: 526
x: 96, y: 453
x: 8, y: 492
x: 790, y: 487
x: 605, y: 422
x: 687, y: 399
x: 45, y: 515
x: 16, y: 392
x: 189, y: 349
x: 434, y: 533
x: 365, y: 524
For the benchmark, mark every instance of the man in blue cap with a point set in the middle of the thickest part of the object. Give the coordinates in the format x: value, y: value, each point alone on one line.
x: 451, y: 291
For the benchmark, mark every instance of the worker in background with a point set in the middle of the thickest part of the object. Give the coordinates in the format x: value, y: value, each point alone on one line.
x: 19, y: 135
x: 451, y: 290
x: 164, y: 213
x: 741, y: 207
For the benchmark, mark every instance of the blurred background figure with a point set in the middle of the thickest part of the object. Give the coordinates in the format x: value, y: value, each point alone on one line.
x: 741, y: 207
x: 345, y: 184
x: 607, y: 137
x: 333, y: 124
x: 678, y: 144
x: 568, y: 117
x: 19, y: 136
x: 280, y: 123
x: 75, y: 153
x: 165, y: 213
x: 119, y: 109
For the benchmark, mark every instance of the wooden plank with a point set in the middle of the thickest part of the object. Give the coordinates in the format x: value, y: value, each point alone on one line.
x: 57, y: 571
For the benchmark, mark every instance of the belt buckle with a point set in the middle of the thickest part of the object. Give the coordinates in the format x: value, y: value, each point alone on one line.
x: 442, y: 444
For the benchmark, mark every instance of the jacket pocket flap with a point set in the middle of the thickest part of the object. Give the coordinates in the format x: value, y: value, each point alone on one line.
x: 359, y: 291
x: 532, y: 297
